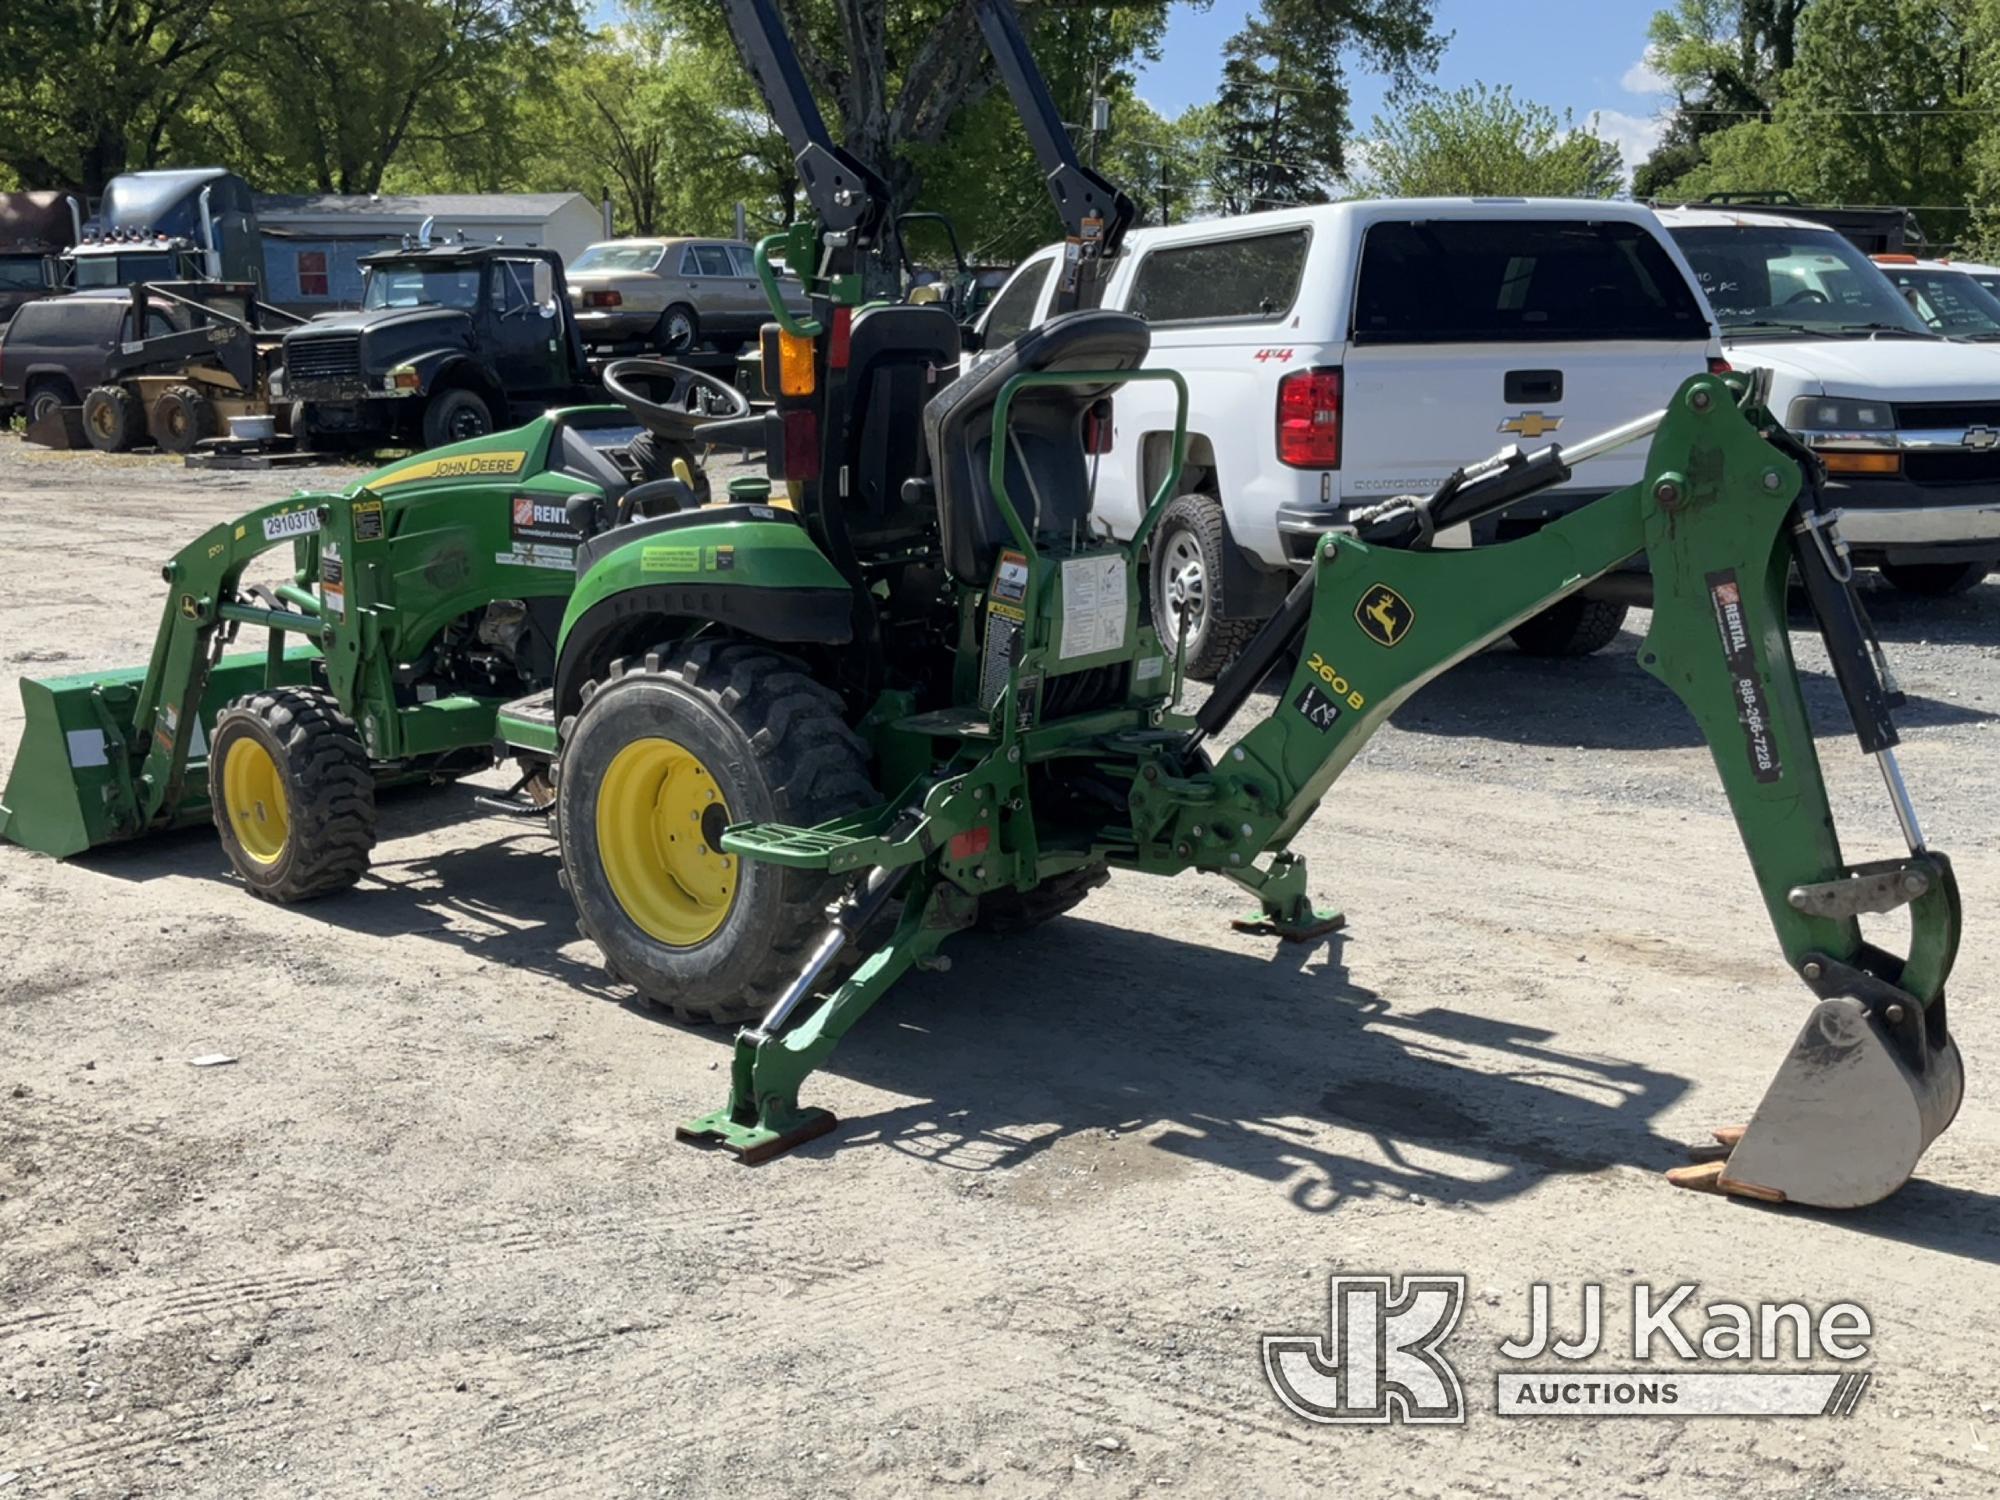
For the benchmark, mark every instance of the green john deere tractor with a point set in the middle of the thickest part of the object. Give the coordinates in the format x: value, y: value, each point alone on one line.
x: 793, y: 741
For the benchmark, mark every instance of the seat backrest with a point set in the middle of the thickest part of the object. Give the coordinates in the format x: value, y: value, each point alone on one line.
x: 1048, y: 474
x: 898, y: 357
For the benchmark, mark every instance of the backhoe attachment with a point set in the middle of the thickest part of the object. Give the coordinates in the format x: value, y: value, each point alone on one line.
x: 1729, y: 510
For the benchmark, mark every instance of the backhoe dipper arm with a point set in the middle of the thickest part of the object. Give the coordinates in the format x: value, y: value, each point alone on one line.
x: 1094, y: 214
x: 1720, y: 518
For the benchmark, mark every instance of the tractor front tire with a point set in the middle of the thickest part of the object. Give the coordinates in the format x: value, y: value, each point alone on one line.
x: 662, y: 755
x: 182, y: 417
x: 113, y: 419
x: 1570, y: 627
x: 292, y: 793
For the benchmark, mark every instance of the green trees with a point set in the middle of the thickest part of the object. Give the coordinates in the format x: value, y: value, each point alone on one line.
x: 1281, y: 121
x: 1484, y: 141
x: 1844, y: 101
x: 319, y: 94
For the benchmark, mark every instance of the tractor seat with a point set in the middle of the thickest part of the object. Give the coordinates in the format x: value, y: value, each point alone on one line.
x: 1048, y: 473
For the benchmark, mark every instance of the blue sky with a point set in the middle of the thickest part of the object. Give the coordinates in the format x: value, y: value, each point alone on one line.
x: 1583, y: 55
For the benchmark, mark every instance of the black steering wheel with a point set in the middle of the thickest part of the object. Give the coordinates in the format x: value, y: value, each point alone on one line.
x: 1810, y: 294
x: 673, y: 401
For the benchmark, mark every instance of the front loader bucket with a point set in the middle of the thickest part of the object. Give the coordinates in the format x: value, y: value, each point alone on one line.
x: 1852, y: 1109
x: 70, y: 787
x: 75, y: 781
x: 61, y: 428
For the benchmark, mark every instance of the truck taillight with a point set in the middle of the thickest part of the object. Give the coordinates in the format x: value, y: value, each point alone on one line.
x: 1309, y: 419
x: 1717, y: 365
x: 603, y: 299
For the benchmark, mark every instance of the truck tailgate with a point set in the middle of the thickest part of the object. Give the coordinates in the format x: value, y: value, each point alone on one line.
x: 1414, y: 412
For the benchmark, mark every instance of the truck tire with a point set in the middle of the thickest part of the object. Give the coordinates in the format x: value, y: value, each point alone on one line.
x: 456, y: 416
x: 182, y: 417
x: 292, y: 793
x: 664, y: 753
x: 1571, y: 627
x: 46, y: 396
x: 678, y: 331
x: 113, y: 419
x: 1935, y: 580
x: 1187, y: 566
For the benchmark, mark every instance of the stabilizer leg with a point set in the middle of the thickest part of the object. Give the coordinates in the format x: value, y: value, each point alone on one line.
x: 763, y: 1118
x: 1288, y: 910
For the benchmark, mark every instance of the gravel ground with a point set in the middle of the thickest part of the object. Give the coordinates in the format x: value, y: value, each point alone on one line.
x: 429, y: 1235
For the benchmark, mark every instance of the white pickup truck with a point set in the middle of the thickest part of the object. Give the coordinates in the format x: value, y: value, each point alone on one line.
x: 1340, y: 354
x: 1907, y: 422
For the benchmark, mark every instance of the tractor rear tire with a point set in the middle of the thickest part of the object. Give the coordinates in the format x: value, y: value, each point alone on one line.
x: 182, y: 417
x: 292, y: 793
x: 1004, y: 913
x: 113, y: 419
x: 1570, y: 627
x: 662, y: 755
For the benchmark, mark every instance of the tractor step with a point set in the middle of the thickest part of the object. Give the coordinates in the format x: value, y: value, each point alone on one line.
x: 847, y: 844
x: 529, y: 723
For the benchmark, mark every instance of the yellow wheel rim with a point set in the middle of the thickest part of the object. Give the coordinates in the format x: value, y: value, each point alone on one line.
x: 253, y: 795
x: 658, y: 811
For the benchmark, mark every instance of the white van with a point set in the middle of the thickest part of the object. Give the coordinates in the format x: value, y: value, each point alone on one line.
x: 1340, y: 354
x: 1907, y: 422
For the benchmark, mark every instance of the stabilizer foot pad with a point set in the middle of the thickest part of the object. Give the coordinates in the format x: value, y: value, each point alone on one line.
x: 751, y: 1144
x: 1320, y: 924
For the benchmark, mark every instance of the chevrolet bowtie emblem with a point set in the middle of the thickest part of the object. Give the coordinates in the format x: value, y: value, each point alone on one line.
x: 1531, y: 424
x: 1981, y: 437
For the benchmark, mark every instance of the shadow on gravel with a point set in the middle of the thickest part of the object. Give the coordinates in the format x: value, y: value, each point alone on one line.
x: 1607, y: 702
x: 1970, y: 619
x: 1955, y: 1220
x: 493, y: 894
x: 1240, y: 1062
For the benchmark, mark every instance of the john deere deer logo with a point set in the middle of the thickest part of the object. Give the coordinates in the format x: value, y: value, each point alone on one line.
x: 1384, y: 615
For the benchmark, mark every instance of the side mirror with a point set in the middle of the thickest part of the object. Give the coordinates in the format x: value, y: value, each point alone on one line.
x: 970, y: 339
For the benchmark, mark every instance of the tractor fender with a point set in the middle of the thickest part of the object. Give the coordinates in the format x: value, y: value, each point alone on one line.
x: 749, y: 568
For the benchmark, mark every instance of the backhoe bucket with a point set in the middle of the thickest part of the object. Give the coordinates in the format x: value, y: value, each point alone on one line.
x: 1852, y: 1109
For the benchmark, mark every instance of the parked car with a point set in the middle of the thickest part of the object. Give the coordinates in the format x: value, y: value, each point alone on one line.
x: 673, y: 294
x: 1906, y: 421
x: 1949, y: 299
x: 55, y: 350
x: 1342, y: 354
x: 452, y: 341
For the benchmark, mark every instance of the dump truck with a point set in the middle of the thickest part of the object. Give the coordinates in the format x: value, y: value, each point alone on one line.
x: 791, y: 740
x: 35, y: 228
